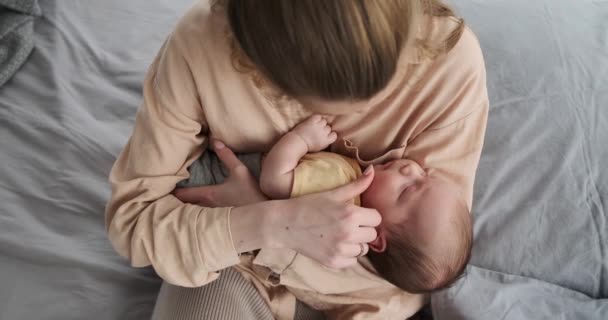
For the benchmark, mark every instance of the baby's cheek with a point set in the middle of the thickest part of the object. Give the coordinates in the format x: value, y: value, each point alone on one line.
x: 370, y: 198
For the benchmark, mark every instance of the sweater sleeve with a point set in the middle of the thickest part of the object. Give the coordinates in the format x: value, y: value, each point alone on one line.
x: 186, y: 244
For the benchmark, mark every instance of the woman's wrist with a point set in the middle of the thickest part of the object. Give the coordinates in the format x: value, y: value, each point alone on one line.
x: 257, y: 226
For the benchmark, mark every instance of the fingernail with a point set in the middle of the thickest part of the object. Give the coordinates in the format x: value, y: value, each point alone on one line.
x: 218, y: 145
x: 368, y: 171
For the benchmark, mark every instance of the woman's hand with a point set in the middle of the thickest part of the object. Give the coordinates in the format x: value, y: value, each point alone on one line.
x: 322, y: 226
x: 239, y: 189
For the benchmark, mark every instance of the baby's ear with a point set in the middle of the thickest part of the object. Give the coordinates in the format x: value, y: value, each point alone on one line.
x: 379, y: 244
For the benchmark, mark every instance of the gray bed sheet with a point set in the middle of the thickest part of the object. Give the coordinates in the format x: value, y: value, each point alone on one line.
x: 541, y: 195
x: 541, y: 192
x: 64, y: 117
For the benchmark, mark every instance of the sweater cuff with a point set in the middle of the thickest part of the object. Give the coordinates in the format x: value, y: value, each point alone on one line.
x: 214, y: 241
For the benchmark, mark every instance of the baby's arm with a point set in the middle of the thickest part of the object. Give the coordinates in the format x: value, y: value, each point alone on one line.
x: 312, y: 135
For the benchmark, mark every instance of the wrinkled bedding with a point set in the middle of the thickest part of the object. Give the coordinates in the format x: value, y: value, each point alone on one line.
x: 16, y: 34
x: 541, y: 196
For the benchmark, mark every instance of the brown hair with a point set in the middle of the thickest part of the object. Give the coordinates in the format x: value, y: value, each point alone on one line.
x: 407, y: 266
x: 338, y: 49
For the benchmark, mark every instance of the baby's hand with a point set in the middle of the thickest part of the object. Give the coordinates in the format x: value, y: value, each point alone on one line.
x: 316, y: 133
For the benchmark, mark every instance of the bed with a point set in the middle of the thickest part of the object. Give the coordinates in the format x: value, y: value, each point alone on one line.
x: 541, y: 195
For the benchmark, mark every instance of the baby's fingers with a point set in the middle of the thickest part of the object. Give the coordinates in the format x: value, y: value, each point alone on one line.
x: 333, y: 136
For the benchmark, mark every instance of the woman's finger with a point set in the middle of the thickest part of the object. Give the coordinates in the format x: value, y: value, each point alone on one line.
x: 355, y: 250
x: 349, y: 191
x: 364, y: 235
x: 226, y: 155
x: 193, y: 194
x: 367, y: 217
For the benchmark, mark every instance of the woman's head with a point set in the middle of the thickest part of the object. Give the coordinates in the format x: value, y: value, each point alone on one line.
x: 331, y: 50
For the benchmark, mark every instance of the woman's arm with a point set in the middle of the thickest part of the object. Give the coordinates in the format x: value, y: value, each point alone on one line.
x: 321, y: 226
x: 188, y: 244
x: 185, y: 244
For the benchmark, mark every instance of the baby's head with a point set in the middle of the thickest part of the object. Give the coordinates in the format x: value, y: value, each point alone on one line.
x: 424, y: 241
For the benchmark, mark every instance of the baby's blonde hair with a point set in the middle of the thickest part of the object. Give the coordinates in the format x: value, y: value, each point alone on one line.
x: 338, y: 49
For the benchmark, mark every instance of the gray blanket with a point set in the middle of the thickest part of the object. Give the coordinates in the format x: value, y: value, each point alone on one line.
x: 16, y: 34
x: 209, y: 170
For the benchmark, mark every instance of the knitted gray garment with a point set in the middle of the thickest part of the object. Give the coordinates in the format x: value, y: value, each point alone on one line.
x: 29, y: 7
x: 16, y: 34
x: 209, y: 170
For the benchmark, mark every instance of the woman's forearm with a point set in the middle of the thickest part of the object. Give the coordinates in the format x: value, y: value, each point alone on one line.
x: 321, y: 226
x: 254, y: 226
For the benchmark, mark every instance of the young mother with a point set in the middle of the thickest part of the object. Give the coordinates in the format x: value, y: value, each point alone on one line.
x: 397, y: 78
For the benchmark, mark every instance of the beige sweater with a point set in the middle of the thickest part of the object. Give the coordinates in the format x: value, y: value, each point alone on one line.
x: 435, y: 114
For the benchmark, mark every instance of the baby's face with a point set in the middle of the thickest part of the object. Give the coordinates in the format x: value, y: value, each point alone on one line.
x: 394, y: 184
x: 403, y: 192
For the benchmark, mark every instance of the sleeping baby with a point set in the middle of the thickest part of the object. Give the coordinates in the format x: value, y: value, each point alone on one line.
x: 423, y: 243
x: 424, y: 240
